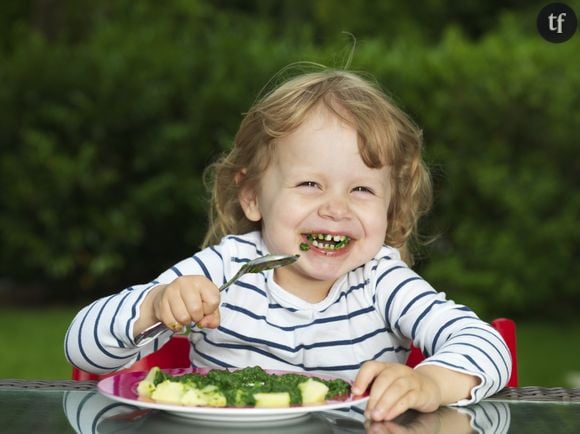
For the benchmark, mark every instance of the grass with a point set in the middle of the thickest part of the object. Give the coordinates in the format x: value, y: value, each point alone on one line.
x: 548, y: 354
x: 33, y: 340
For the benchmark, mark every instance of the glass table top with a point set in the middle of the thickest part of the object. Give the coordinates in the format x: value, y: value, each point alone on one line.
x: 86, y: 411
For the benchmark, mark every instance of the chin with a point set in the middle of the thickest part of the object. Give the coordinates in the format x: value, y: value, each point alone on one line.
x: 326, y: 273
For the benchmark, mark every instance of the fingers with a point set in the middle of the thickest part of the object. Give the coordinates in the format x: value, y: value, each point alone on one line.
x: 378, y: 376
x: 188, y: 299
x: 365, y: 377
x: 198, y: 297
x: 385, y: 391
x: 210, y: 321
x: 393, y: 403
x: 395, y: 388
x: 162, y: 310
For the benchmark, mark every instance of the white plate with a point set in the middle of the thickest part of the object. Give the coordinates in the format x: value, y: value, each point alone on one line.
x: 123, y: 388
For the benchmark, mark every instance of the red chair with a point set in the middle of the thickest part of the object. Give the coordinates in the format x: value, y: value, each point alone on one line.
x: 506, y: 327
x: 175, y: 354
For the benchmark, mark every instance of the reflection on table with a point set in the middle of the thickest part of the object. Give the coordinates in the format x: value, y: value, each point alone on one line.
x: 90, y: 412
x: 64, y: 406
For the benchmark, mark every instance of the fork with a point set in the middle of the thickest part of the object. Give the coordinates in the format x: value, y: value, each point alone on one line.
x: 267, y: 262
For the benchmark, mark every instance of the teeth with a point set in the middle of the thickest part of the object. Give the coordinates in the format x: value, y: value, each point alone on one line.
x: 321, y: 241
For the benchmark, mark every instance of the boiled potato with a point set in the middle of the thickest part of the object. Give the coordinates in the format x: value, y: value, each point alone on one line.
x: 146, y: 386
x: 169, y: 392
x: 278, y: 399
x: 313, y: 392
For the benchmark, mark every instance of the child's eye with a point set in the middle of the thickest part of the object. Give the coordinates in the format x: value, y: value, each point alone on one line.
x: 363, y: 189
x: 310, y: 184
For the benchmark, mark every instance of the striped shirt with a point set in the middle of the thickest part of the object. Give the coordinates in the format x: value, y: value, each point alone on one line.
x: 373, y: 312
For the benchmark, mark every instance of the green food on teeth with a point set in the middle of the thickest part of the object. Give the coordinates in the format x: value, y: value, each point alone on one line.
x: 326, y: 241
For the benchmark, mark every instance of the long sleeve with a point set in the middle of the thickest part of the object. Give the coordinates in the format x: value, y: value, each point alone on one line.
x: 450, y: 335
x: 100, y: 337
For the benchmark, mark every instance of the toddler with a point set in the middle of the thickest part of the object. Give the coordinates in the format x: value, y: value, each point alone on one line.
x: 325, y: 166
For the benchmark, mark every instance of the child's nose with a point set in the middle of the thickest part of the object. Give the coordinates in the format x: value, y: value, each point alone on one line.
x: 335, y: 208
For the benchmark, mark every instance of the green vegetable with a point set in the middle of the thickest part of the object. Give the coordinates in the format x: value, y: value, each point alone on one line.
x: 246, y: 387
x: 304, y: 247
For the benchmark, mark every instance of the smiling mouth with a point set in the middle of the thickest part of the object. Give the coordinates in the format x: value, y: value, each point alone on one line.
x: 327, y: 241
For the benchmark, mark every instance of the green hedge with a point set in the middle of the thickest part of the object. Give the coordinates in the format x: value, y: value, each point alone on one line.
x: 103, y: 142
x: 500, y: 119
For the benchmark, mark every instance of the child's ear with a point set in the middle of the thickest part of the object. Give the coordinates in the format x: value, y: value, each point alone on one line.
x: 248, y: 199
x: 249, y: 202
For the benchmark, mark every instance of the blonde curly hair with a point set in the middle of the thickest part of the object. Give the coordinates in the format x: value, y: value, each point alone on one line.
x: 387, y: 136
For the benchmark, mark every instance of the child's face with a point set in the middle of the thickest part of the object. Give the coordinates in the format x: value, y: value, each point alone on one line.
x: 317, y: 184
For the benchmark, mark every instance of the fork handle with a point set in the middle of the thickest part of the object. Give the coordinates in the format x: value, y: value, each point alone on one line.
x: 150, y: 331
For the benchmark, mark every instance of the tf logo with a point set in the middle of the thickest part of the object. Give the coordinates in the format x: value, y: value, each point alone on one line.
x: 557, y: 22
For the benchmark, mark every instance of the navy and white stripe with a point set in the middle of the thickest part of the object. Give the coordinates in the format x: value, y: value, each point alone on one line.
x: 371, y: 313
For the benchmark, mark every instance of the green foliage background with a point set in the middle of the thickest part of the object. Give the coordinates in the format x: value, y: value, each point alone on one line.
x: 110, y: 110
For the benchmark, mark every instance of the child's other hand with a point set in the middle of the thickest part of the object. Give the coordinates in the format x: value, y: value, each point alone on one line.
x: 396, y: 388
x: 186, y: 300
